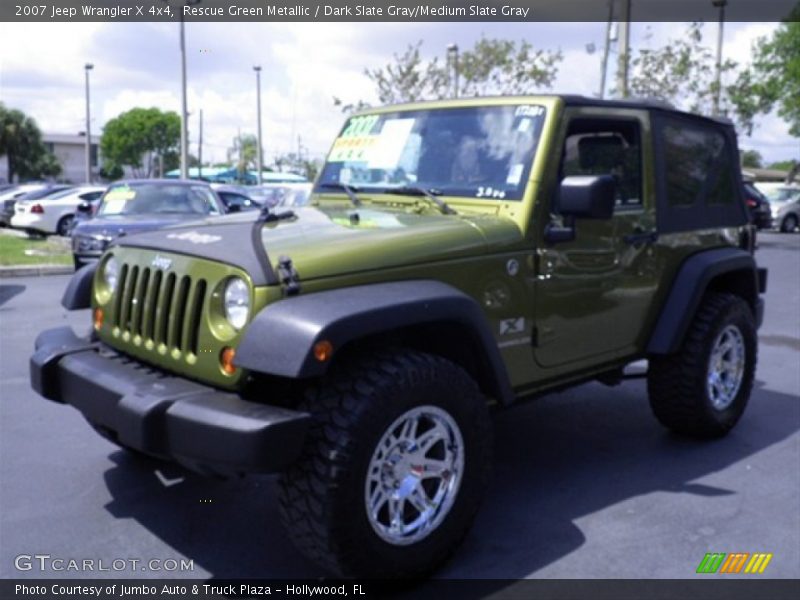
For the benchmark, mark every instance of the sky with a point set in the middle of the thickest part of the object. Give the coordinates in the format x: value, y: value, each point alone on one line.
x: 305, y: 65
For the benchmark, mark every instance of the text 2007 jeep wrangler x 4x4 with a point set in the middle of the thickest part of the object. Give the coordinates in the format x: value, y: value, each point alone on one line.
x: 456, y: 256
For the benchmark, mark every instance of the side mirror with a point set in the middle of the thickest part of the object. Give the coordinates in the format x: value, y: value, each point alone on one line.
x: 234, y: 208
x: 581, y: 197
x: 85, y: 209
x: 587, y: 197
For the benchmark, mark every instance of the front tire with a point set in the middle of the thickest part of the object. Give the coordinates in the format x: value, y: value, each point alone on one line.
x: 789, y: 224
x: 395, y: 465
x: 703, y: 389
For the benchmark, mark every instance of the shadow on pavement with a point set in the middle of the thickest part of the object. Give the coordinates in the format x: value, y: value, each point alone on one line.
x: 556, y: 460
x: 7, y: 292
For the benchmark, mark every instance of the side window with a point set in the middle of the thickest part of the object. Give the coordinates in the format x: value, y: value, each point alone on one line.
x: 90, y: 196
x: 606, y: 147
x: 698, y: 180
x: 699, y: 165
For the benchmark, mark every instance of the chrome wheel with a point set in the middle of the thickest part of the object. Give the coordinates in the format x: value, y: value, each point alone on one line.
x: 414, y: 475
x: 726, y: 367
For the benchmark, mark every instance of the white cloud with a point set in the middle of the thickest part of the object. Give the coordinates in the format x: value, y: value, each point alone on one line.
x: 304, y: 66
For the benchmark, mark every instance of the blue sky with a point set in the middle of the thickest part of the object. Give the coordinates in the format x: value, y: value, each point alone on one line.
x: 304, y: 66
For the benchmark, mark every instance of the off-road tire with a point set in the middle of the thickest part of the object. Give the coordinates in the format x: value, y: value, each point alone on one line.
x: 676, y: 383
x: 321, y: 497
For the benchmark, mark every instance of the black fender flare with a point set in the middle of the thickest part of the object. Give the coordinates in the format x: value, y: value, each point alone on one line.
x: 687, y: 289
x: 281, y: 337
x: 79, y: 289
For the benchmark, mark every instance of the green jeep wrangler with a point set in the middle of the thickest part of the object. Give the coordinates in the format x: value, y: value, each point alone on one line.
x: 457, y: 257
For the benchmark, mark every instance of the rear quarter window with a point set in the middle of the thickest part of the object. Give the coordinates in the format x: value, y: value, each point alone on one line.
x: 699, y: 184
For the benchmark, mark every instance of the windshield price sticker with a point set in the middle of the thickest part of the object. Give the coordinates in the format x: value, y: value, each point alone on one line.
x: 360, y: 126
x: 351, y: 148
x: 391, y: 142
x: 529, y: 111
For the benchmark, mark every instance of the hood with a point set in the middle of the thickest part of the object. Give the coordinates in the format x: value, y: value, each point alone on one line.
x: 326, y: 241
x: 113, y: 227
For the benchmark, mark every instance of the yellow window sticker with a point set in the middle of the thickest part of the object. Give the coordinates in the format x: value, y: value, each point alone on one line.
x: 115, y: 199
x: 353, y: 148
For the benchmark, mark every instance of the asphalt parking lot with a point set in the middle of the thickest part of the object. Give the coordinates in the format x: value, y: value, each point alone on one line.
x: 586, y: 484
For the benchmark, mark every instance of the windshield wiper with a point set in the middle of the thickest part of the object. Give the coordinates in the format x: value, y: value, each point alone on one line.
x: 350, y: 190
x: 429, y: 194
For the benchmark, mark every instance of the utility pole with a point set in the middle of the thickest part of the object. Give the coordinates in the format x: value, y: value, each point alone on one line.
x: 720, y: 4
x: 88, y: 67
x: 257, y: 69
x: 606, y: 44
x: 200, y: 148
x: 243, y: 173
x: 624, y: 41
x: 452, y: 55
x: 184, y: 109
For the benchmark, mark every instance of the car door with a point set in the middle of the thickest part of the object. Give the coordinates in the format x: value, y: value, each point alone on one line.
x: 593, y: 292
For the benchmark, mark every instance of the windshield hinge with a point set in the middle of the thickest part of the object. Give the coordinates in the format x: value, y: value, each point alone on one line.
x: 288, y: 276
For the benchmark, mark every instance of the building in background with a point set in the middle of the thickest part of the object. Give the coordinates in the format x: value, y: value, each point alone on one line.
x: 70, y: 151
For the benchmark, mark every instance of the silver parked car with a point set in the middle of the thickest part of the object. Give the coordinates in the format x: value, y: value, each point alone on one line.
x: 784, y: 201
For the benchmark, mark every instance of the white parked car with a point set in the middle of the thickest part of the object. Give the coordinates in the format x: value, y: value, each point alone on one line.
x: 55, y: 213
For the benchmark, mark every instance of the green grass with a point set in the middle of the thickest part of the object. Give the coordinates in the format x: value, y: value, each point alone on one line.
x: 39, y: 251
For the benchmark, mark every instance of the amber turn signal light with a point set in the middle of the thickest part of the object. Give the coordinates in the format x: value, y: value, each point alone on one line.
x: 98, y: 318
x: 226, y: 360
x: 323, y: 350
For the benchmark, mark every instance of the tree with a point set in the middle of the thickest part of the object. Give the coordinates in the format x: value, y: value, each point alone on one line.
x: 110, y: 171
x: 409, y: 78
x: 683, y: 73
x: 773, y: 78
x: 491, y: 66
x: 752, y: 159
x: 141, y: 136
x: 505, y: 67
x: 782, y: 165
x: 299, y: 164
x: 244, y: 153
x: 21, y: 142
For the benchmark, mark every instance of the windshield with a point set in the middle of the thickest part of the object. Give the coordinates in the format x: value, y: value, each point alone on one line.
x: 63, y: 194
x: 43, y: 193
x: 779, y: 195
x: 476, y: 152
x: 155, y: 198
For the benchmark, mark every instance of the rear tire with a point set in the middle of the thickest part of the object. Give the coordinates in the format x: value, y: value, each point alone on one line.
x: 349, y: 503
x: 789, y: 224
x: 64, y: 226
x: 703, y: 389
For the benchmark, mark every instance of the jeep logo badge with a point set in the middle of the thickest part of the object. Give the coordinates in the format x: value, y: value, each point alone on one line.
x: 161, y: 262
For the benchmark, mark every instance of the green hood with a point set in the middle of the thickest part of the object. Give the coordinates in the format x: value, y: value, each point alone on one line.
x: 328, y: 241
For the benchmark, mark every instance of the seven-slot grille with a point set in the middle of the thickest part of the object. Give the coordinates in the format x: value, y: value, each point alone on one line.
x: 162, y: 310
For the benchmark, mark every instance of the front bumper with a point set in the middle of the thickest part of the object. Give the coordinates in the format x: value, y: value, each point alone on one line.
x: 207, y: 430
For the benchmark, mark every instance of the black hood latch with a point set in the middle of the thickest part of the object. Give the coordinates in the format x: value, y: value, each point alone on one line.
x: 288, y: 276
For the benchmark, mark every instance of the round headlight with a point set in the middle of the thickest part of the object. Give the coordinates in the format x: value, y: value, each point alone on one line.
x: 111, y: 273
x: 237, y: 302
